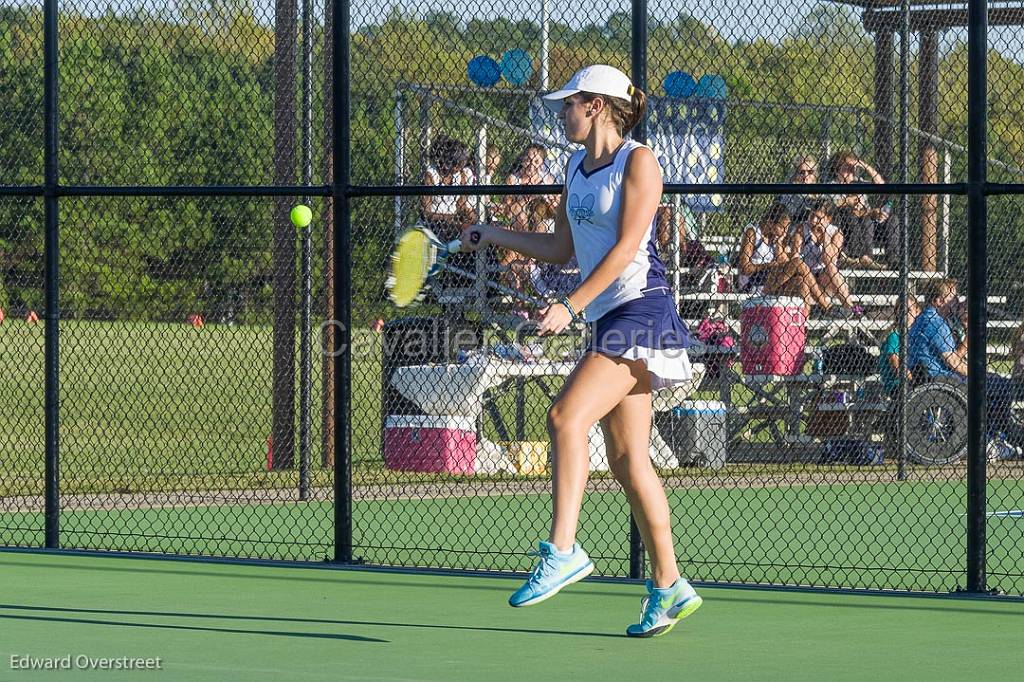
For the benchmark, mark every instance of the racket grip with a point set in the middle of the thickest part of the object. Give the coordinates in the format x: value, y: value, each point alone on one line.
x: 455, y: 245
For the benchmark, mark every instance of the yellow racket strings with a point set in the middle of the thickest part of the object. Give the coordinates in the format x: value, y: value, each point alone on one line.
x: 410, y: 266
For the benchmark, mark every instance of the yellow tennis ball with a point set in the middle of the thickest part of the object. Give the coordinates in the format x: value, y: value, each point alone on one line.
x: 301, y: 216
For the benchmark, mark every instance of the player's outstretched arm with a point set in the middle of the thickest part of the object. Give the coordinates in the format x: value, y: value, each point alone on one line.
x: 555, y: 247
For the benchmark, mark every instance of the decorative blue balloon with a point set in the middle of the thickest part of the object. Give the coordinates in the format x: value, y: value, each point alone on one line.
x: 516, y: 66
x: 679, y: 84
x: 483, y: 71
x: 711, y: 86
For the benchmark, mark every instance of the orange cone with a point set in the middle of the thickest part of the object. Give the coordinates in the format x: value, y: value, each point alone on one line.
x: 2, y: 316
x: 195, y: 319
x: 32, y: 317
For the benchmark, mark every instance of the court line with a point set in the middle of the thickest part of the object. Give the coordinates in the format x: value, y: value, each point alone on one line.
x: 1010, y: 513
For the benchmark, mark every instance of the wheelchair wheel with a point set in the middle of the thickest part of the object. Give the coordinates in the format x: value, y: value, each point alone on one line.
x: 937, y: 423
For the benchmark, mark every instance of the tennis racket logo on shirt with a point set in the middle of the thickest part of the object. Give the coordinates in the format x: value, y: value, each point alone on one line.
x: 581, y: 210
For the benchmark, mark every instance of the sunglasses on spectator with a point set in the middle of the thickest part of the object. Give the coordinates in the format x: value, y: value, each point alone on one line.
x: 806, y: 171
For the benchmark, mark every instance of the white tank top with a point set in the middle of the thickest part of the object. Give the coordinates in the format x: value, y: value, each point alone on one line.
x: 762, y: 255
x: 812, y: 253
x: 448, y: 204
x: 594, y: 207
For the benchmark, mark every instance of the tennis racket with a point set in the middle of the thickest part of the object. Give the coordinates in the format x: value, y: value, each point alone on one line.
x: 419, y: 256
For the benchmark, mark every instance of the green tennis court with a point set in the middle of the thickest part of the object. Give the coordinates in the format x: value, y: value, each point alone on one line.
x: 209, y: 621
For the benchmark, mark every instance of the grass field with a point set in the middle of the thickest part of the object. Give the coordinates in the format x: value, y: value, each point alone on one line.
x: 142, y: 399
x: 148, y: 406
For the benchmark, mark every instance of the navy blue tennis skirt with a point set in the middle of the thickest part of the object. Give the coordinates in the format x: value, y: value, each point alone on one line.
x: 648, y: 329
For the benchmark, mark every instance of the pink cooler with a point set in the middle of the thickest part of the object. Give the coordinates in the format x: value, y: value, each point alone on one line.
x: 430, y: 443
x: 774, y: 332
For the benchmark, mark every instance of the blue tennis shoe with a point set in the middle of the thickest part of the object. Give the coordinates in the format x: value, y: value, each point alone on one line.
x: 554, y: 571
x: 662, y: 608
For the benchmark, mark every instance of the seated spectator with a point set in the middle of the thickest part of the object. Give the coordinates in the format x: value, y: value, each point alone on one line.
x: 798, y: 206
x: 860, y: 223
x: 447, y: 215
x: 889, y: 351
x: 492, y: 159
x: 694, y: 258
x: 518, y: 269
x: 546, y: 279
x: 529, y: 169
x: 932, y: 352
x: 930, y: 340
x: 553, y: 279
x: 818, y: 243
x: 767, y: 265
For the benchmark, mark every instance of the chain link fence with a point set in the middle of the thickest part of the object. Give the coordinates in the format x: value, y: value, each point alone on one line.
x: 21, y: 356
x: 1005, y: 311
x: 823, y: 439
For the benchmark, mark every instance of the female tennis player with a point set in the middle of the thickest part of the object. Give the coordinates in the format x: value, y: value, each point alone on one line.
x: 638, y: 343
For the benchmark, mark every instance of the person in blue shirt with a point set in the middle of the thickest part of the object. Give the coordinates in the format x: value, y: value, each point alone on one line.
x: 931, y: 342
x: 933, y: 347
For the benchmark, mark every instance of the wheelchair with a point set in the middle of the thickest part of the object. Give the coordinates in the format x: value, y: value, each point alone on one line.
x: 936, y: 413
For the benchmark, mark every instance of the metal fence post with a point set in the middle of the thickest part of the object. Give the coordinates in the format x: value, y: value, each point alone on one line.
x: 52, y: 257
x: 399, y: 156
x: 639, y: 76
x: 977, y: 289
x: 340, y: 189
